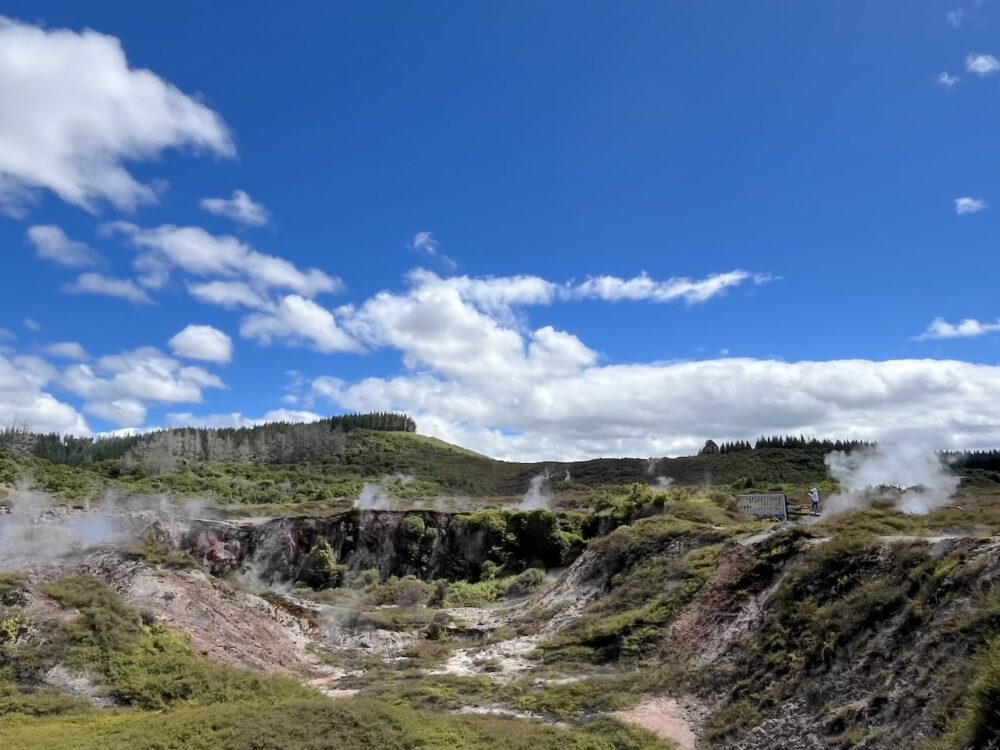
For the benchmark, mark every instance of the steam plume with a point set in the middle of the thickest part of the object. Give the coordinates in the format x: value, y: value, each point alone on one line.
x: 374, y: 497
x: 917, y: 471
x: 535, y: 498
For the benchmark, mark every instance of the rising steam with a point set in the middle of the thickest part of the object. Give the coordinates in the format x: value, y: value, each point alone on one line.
x: 536, y: 498
x: 375, y: 497
x: 923, y: 479
x: 663, y: 483
x: 38, y: 529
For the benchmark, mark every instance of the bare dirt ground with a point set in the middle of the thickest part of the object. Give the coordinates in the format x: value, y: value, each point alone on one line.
x: 667, y: 718
x: 502, y: 660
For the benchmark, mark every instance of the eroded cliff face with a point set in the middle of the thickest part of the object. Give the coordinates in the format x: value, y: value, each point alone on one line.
x: 426, y: 544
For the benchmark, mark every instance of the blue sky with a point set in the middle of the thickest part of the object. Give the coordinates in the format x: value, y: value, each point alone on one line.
x: 787, y: 177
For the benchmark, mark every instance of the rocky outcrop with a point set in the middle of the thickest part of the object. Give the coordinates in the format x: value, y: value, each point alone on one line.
x: 427, y: 544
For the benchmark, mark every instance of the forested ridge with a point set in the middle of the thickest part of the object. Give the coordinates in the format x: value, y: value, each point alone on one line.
x: 271, y: 443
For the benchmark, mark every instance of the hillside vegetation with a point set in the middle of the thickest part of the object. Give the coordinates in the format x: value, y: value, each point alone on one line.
x: 331, y: 460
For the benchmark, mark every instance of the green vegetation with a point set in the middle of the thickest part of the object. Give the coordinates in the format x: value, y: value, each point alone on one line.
x: 978, y: 728
x: 319, y: 569
x: 646, y: 594
x: 178, y: 699
x: 564, y: 700
x: 464, y: 594
x: 160, y: 670
x: 155, y: 551
x: 312, y: 724
x: 511, y: 541
x: 381, y: 421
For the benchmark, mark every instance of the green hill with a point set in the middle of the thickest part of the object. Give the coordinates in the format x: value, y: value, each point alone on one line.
x: 329, y: 460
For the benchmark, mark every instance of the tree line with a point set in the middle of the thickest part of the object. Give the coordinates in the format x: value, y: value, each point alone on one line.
x: 383, y: 421
x: 271, y: 443
x: 782, y: 442
x: 985, y: 460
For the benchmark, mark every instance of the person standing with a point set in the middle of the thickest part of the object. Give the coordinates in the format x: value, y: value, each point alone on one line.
x: 814, y: 501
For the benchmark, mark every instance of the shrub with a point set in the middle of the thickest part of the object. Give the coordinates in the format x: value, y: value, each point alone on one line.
x: 155, y: 551
x: 161, y: 670
x: 319, y: 569
x: 11, y: 590
x: 526, y: 582
x: 105, y: 623
x: 40, y: 703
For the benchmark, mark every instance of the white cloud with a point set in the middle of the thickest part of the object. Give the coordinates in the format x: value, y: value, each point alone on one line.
x: 96, y: 283
x: 114, y: 384
x: 237, y: 419
x: 239, y: 207
x: 969, y: 205
x: 433, y: 325
x: 32, y: 325
x: 426, y: 243
x: 473, y: 376
x: 122, y: 411
x: 968, y: 328
x: 956, y: 17
x: 67, y: 350
x: 7, y: 335
x: 297, y: 320
x: 947, y: 80
x: 51, y: 243
x: 36, y: 370
x: 465, y: 327
x: 229, y: 294
x: 671, y: 408
x: 497, y: 295
x: 204, y: 343
x: 23, y: 402
x: 200, y: 253
x: 692, y: 291
x: 981, y: 64
x: 82, y: 113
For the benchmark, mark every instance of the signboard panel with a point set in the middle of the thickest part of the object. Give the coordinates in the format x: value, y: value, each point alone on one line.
x: 773, y: 505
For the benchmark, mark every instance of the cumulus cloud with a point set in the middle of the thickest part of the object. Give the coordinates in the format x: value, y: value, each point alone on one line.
x: 114, y: 384
x: 474, y: 377
x: 982, y: 64
x: 67, y: 350
x: 968, y: 328
x: 969, y: 205
x: 238, y: 207
x: 82, y: 113
x: 204, y: 343
x: 671, y: 408
x: 24, y: 402
x: 96, y: 283
x: 32, y: 325
x: 296, y: 320
x: 51, y: 243
x: 199, y: 253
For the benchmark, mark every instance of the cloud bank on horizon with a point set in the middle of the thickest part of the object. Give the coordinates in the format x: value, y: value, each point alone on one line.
x: 469, y: 363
